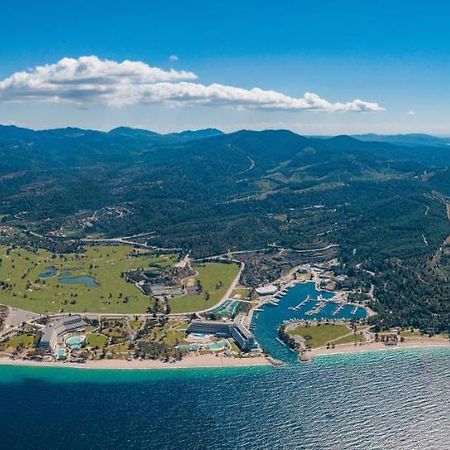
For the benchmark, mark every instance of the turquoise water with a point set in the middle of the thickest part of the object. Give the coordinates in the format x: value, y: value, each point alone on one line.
x: 394, y: 399
x: 74, y: 340
x: 88, y: 281
x: 215, y: 346
x: 266, y: 323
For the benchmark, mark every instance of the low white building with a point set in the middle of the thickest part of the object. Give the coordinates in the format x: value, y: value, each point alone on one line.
x: 269, y: 289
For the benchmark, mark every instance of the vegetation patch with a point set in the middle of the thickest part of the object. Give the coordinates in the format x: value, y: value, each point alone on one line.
x: 213, y: 281
x: 30, y: 280
x: 321, y: 334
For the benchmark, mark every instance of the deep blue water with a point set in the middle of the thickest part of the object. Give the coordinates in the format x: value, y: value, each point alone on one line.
x: 266, y: 323
x: 394, y: 399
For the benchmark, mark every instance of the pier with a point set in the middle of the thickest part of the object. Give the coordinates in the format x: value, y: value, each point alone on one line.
x: 302, y: 303
x: 338, y: 309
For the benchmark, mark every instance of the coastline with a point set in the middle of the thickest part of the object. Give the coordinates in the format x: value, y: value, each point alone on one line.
x: 189, y: 362
x: 377, y: 347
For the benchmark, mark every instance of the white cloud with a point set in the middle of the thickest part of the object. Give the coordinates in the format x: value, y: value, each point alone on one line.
x: 173, y: 58
x: 88, y: 79
x: 411, y: 113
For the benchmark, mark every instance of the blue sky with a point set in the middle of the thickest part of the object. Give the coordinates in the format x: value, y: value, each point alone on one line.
x: 393, y: 56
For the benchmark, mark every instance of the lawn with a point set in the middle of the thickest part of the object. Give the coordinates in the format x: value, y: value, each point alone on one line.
x: 96, y: 340
x: 349, y: 339
x: 25, y: 340
x: 320, y: 335
x: 21, y: 269
x: 135, y: 324
x: 215, y: 279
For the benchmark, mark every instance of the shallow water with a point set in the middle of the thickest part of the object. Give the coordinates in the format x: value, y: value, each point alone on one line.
x: 389, y: 400
x: 393, y: 399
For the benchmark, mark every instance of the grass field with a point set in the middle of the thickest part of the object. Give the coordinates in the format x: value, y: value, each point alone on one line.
x: 320, y: 335
x: 24, y: 340
x: 21, y: 269
x: 96, y: 340
x: 210, y: 276
x: 349, y: 339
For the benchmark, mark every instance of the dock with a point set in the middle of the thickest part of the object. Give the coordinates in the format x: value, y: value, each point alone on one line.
x: 321, y: 304
x: 338, y: 309
x: 302, y: 303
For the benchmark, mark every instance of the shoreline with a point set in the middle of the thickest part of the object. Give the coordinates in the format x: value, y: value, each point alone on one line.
x: 189, y: 362
x: 349, y: 349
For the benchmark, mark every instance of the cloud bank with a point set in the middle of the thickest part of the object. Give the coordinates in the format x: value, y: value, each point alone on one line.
x: 91, y: 80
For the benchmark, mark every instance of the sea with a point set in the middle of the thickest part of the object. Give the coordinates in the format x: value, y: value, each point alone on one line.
x: 392, y: 399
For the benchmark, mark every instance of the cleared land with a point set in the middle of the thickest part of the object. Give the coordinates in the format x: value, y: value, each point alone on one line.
x: 319, y: 335
x: 215, y: 279
x: 21, y: 270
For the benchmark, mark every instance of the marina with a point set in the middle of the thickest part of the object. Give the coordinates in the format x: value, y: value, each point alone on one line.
x: 301, y: 302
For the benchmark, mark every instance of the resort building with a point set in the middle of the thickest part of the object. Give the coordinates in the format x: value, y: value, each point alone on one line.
x: 210, y: 327
x: 53, y: 332
x: 236, y: 330
x: 242, y: 336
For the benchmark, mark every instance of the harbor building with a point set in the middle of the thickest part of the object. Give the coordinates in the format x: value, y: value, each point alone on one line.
x: 53, y: 333
x: 269, y: 289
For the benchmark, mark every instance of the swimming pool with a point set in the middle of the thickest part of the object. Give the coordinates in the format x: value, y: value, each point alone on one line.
x: 75, y: 342
x: 61, y: 353
x: 213, y: 346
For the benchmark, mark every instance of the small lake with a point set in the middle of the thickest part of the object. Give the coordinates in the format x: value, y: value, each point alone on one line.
x: 48, y: 273
x: 265, y: 323
x: 67, y: 278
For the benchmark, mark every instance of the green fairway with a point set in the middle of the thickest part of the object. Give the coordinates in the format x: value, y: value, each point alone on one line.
x: 215, y: 279
x: 21, y: 269
x: 320, y: 335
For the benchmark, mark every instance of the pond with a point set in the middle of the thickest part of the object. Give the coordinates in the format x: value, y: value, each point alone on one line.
x: 48, y: 273
x: 67, y: 278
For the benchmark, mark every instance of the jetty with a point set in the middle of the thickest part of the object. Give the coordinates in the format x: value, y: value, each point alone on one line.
x: 321, y: 302
x: 280, y: 341
x: 302, y: 303
x: 354, y: 310
x: 338, y: 309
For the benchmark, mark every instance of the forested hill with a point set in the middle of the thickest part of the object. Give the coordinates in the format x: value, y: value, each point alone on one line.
x: 384, y: 203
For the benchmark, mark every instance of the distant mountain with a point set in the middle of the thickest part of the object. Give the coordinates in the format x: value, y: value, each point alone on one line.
x: 132, y: 132
x: 196, y: 134
x: 405, y: 139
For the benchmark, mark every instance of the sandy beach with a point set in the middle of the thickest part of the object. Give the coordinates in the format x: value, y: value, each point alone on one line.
x: 378, y: 346
x: 189, y: 362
